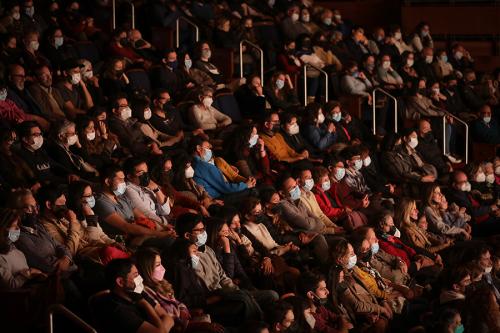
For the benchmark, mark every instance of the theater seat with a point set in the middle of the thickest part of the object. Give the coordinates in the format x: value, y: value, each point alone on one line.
x: 89, y: 51
x: 353, y: 105
x: 162, y: 38
x: 224, y: 60
x: 139, y: 80
x: 484, y: 151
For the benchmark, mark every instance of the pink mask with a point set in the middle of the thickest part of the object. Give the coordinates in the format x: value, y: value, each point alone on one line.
x: 159, y: 273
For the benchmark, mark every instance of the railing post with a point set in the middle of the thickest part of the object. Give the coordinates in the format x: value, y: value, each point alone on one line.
x: 261, y: 52
x: 374, y: 95
x: 177, y: 30
x: 69, y: 315
x: 133, y: 14
x: 114, y: 13
x: 374, y: 111
x: 305, y: 85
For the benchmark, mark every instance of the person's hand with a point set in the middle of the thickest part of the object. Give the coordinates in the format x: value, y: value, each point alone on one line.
x: 391, y: 188
x: 167, y: 234
x: 226, y: 244
x: 494, y: 207
x: 35, y: 273
x: 362, y: 75
x: 462, y: 210
x: 70, y: 215
x: 198, y: 131
x: 338, y: 230
x: 103, y: 129
x: 370, y: 101
x: 234, y: 236
x: 218, y: 202
x: 468, y: 228
x: 386, y: 312
x: 152, y: 185
x: 305, y: 154
x: 306, y: 238
x: 428, y: 179
x: 251, y: 182
x: 73, y: 178
x: 331, y: 128
x: 267, y: 266
x: 402, y: 267
x: 35, y: 187
x: 292, y: 247
x: 190, y: 85
x: 204, y: 211
x: 365, y: 202
x: 259, y: 90
x: 345, y: 324
x: 438, y: 260
x: 62, y: 265
x: 235, y: 169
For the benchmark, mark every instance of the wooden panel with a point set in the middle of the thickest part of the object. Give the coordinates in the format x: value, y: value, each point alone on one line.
x: 458, y: 20
x: 224, y: 60
x: 487, y: 63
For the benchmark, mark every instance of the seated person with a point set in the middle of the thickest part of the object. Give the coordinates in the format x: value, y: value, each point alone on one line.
x: 203, y: 115
x: 325, y: 189
x: 276, y: 144
x: 429, y: 149
x: 352, y: 189
x: 322, y: 135
x: 41, y: 250
x: 63, y: 225
x: 210, y: 176
x: 125, y: 127
x: 44, y: 168
x: 76, y: 97
x: 355, y: 82
x: 453, y: 291
x: 373, y: 175
x: 144, y: 194
x: 46, y: 96
x: 114, y: 80
x: 120, y: 47
x: 280, y: 93
x: 127, y: 308
x: 14, y: 269
x: 388, y: 78
x: 251, y: 99
x: 62, y: 149
x: 485, y: 129
x: 120, y: 218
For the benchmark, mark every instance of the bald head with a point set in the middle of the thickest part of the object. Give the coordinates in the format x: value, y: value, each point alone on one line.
x: 424, y: 127
x: 17, y: 76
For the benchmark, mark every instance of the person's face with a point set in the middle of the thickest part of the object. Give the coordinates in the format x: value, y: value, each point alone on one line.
x: 235, y: 223
x: 288, y: 320
x: 171, y: 57
x: 226, y: 26
x: 412, y: 135
x: 388, y: 224
x: 305, y: 175
x: 34, y: 133
x: 248, y: 24
x: 117, y: 180
x: 457, y: 321
x: 164, y: 99
x: 167, y: 165
x: 485, y: 260
x: 122, y: 104
x: 290, y: 124
x: 197, y: 230
x: 224, y: 231
x: 128, y: 283
x: 14, y: 226
x: 90, y: 128
x: 379, y: 34
x: 18, y: 77
x: 336, y: 111
x: 358, y: 35
x: 386, y: 58
x: 424, y: 128
x: 31, y: 38
x: 275, y: 199
x: 338, y: 165
x: 256, y: 82
x: 273, y: 121
x: 12, y: 43
x: 462, y: 285
x: 15, y: 10
x: 29, y: 204
x: 422, y: 222
x: 364, y: 248
x: 70, y: 131
x: 322, y: 291
x: 118, y: 66
x: 437, y: 196
x: 61, y: 201
x: 288, y: 185
x: 370, y: 61
x: 341, y: 276
x: 45, y: 77
x: 139, y: 170
x: 486, y: 112
x: 7, y: 143
x: 344, y: 260
x: 414, y: 212
x: 205, y: 47
x: 353, y: 160
x: 293, y: 10
x: 425, y: 29
x: 460, y: 179
x: 203, y: 148
x: 323, y: 179
x: 428, y: 52
x: 87, y: 193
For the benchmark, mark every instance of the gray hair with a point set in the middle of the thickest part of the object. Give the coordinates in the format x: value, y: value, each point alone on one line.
x: 63, y: 127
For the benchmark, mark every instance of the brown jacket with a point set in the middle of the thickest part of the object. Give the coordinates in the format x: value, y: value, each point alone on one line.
x: 413, y: 236
x: 49, y: 110
x: 387, y: 265
x: 358, y: 299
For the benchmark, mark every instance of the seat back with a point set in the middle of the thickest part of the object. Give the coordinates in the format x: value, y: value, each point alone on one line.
x: 224, y: 60
x: 89, y: 51
x: 162, y: 38
x: 139, y: 80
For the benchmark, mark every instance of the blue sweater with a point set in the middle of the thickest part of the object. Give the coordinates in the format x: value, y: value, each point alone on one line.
x: 212, y: 179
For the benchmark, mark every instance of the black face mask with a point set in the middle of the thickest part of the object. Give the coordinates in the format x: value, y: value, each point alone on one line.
x: 167, y: 176
x: 428, y: 137
x: 320, y: 301
x: 144, y: 179
x: 124, y: 41
x: 422, y: 91
x: 119, y: 73
x: 367, y: 256
x: 60, y: 211
x: 393, y: 230
x: 277, y: 209
x: 276, y: 128
x: 29, y: 219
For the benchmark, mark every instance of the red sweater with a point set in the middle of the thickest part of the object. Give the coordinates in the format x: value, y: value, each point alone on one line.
x: 396, y: 247
x: 324, y: 203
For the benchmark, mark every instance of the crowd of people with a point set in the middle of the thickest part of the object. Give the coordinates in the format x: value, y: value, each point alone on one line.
x: 147, y: 191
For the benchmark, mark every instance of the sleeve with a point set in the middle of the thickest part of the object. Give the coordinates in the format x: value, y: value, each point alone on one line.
x: 438, y: 223
x: 139, y: 203
x: 356, y: 304
x: 328, y: 210
x: 298, y: 220
x: 7, y: 278
x: 221, y: 185
x: 197, y: 120
x: 73, y: 238
x: 221, y: 117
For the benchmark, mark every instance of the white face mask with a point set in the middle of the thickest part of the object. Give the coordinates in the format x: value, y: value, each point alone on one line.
x: 386, y: 64
x: 189, y: 173
x: 294, y: 129
x: 397, y: 36
x: 188, y: 63
x: 72, y: 140
x: 459, y: 55
x: 435, y: 90
x: 321, y: 118
x: 3, y: 94
x: 490, y: 179
x: 295, y: 17
x: 397, y: 233
x: 488, y: 269
x: 480, y: 177
x: 308, y: 184
x: 30, y: 11
x: 207, y: 101
x: 91, y: 136
x: 339, y: 174
x: 358, y: 164
x: 34, y: 45
x: 410, y: 62
x: 58, y: 42
x: 428, y: 59
x: 120, y: 189
x: 16, y: 16
x: 126, y: 113
x: 38, y: 142
x: 305, y: 18
x: 88, y: 74
x: 413, y: 143
x: 280, y: 84
x: 465, y: 187
x: 367, y: 161
x: 253, y: 140
x: 76, y: 78
x: 139, y: 287
x: 147, y: 114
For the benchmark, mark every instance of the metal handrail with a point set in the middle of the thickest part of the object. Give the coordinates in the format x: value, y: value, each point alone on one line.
x: 255, y: 46
x: 132, y: 6
x: 178, y: 30
x: 374, y: 94
x: 58, y: 308
x: 466, y: 135
x: 305, y: 82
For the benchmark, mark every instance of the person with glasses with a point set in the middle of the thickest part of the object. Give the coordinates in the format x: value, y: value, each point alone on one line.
x: 203, y: 115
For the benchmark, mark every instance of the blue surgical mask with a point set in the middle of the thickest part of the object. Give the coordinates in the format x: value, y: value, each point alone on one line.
x: 375, y: 247
x: 355, y: 74
x: 309, y: 184
x: 195, y: 261
x: 295, y: 193
x: 3, y: 94
x: 326, y: 185
x: 444, y: 58
x: 459, y: 329
x: 90, y: 201
x: 201, y: 239
x: 337, y: 117
x: 14, y: 235
x: 352, y: 262
x: 207, y: 156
